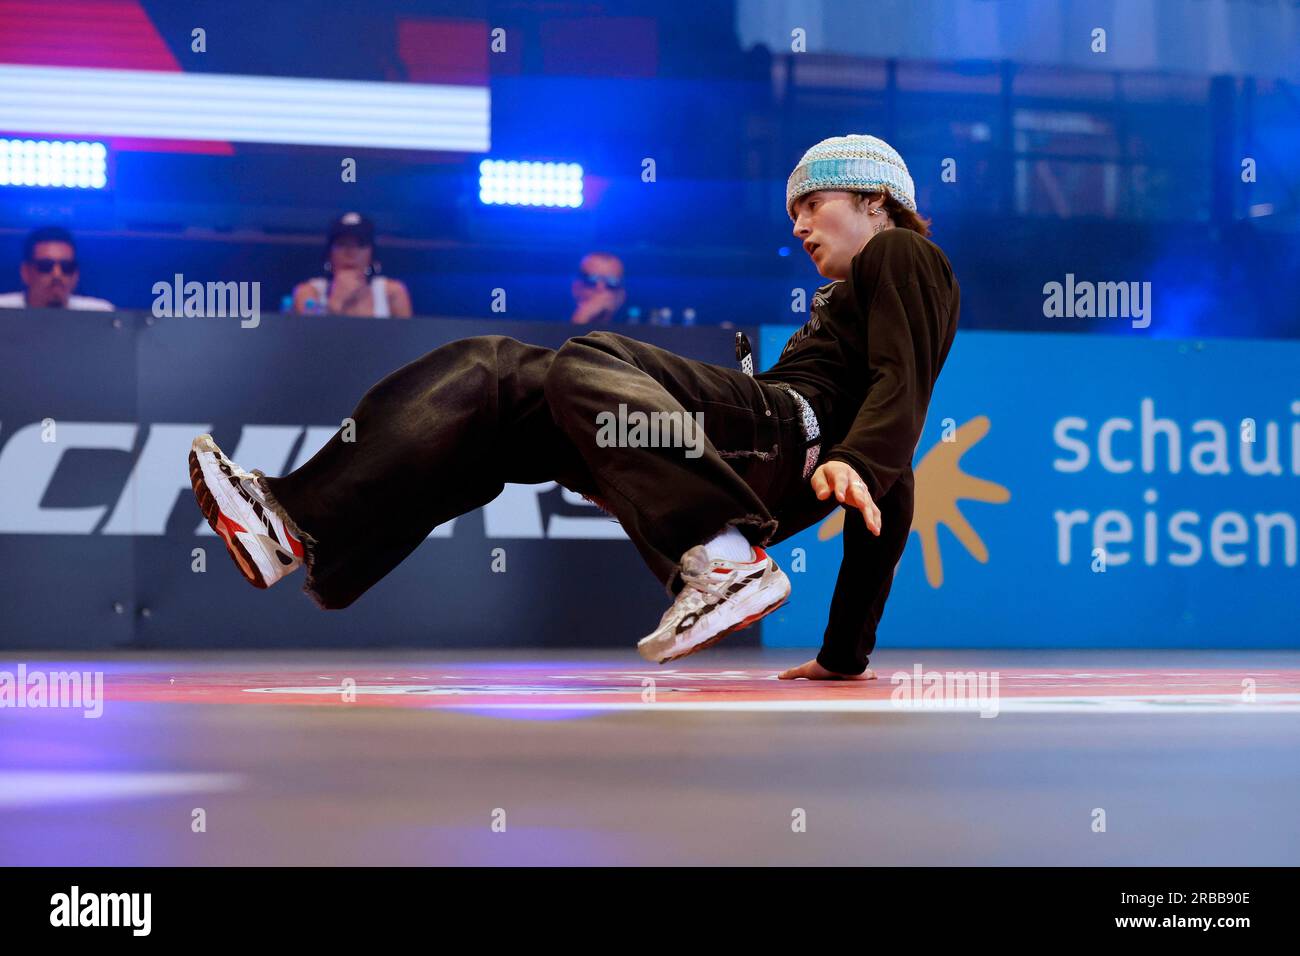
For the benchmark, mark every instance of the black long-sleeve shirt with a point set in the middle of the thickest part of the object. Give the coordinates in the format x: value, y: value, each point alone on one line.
x: 867, y: 360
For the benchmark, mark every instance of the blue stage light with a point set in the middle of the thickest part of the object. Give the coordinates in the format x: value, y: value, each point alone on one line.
x: 27, y: 162
x: 528, y: 183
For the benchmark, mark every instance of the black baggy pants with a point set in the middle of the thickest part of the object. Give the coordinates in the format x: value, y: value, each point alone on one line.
x: 443, y: 435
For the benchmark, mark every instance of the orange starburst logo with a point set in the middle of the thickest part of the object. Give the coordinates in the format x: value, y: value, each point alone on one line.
x: 940, y: 484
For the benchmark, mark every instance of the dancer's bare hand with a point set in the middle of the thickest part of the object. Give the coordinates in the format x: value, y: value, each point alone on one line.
x: 814, y: 671
x: 838, y: 479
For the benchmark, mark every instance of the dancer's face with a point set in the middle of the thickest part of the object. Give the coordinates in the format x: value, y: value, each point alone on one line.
x: 833, y: 228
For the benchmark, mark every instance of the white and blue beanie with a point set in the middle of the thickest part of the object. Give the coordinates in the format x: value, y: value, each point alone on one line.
x: 856, y: 162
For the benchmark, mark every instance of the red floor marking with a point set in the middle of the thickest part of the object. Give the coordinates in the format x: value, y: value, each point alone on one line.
x: 497, y: 685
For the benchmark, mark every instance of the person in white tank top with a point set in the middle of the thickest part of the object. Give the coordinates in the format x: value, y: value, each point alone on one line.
x: 353, y: 285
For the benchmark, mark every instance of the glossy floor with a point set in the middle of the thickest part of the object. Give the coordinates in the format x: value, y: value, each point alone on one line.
x: 950, y: 757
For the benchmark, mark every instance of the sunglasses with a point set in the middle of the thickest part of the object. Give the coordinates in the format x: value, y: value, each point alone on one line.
x: 46, y: 266
x: 592, y: 280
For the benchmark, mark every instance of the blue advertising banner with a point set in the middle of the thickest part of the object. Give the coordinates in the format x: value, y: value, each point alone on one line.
x: 1088, y: 491
x: 102, y: 545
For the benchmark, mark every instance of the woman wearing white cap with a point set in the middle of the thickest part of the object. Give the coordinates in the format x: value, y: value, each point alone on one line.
x: 834, y: 422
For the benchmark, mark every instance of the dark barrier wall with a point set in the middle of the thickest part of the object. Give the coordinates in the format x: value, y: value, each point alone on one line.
x: 99, y: 531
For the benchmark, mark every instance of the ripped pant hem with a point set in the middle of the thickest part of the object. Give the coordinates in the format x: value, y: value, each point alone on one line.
x: 309, y: 544
x: 766, y: 529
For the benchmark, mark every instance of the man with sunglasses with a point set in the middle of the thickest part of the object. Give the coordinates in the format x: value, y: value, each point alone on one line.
x: 50, y: 272
x: 598, y: 289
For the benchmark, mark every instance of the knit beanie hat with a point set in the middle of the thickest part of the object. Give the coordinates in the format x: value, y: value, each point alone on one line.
x: 855, y: 162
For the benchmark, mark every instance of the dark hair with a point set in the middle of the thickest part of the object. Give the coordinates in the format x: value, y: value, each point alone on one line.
x: 46, y: 234
x: 903, y: 217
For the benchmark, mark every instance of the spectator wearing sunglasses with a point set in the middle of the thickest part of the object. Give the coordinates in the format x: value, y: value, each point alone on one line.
x: 598, y: 289
x: 50, y: 272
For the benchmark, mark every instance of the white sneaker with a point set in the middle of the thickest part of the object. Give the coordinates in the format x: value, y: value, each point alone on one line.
x: 256, y: 537
x: 719, y: 597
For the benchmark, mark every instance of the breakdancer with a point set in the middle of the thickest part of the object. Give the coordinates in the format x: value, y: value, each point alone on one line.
x: 834, y: 422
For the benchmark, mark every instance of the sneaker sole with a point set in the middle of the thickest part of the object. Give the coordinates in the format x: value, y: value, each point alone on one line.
x: 739, y: 625
x: 212, y: 512
x: 704, y: 645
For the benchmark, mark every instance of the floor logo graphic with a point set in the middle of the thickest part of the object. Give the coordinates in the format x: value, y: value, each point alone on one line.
x: 940, y: 484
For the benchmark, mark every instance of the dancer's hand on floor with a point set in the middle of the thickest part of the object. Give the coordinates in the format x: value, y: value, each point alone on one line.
x: 838, y: 479
x: 814, y: 671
